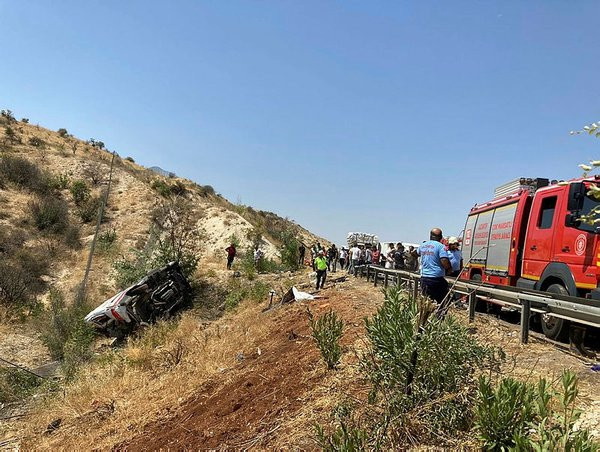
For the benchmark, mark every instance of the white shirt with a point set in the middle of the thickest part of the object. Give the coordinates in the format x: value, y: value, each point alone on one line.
x: 343, y: 254
x: 355, y: 253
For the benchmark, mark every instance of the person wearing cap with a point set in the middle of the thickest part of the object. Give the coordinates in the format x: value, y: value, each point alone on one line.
x: 434, y: 266
x: 455, y: 257
x: 321, y: 266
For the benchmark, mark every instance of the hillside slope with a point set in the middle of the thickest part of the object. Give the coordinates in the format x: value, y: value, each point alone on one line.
x: 135, y: 193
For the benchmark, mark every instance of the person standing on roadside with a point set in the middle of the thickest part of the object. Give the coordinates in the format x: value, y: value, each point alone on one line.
x: 301, y: 253
x: 455, y: 257
x: 368, y: 255
x: 231, y: 251
x: 389, y: 256
x: 354, y: 258
x: 321, y: 266
x: 410, y: 259
x: 376, y: 255
x: 399, y: 257
x: 343, y: 258
x: 434, y: 266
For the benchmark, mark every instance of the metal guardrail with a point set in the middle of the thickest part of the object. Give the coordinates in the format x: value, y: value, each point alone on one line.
x: 578, y: 310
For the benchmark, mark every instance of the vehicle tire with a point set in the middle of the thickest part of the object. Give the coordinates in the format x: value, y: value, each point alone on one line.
x: 554, y: 327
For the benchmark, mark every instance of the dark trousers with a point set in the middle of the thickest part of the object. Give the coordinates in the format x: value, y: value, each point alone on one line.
x: 229, y: 261
x: 434, y: 288
x: 321, y: 275
x: 301, y: 259
x: 342, y: 263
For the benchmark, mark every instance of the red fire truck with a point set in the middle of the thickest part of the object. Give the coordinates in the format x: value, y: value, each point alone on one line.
x: 531, y: 236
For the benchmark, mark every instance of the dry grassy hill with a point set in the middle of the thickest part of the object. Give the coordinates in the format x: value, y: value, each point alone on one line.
x: 134, y: 195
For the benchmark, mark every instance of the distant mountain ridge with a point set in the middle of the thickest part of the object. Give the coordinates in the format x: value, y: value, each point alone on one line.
x: 162, y: 172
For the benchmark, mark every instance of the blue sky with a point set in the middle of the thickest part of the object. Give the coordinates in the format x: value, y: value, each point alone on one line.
x: 384, y: 117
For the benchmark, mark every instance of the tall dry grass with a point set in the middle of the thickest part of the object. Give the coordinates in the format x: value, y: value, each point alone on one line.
x: 114, y: 397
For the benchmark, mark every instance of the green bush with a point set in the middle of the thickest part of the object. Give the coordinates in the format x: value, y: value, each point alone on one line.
x: 503, y: 412
x: 161, y: 187
x: 64, y: 331
x: 88, y: 210
x: 16, y: 384
x: 344, y: 438
x: 80, y: 192
x: 36, y: 142
x: 49, y: 214
x: 23, y: 173
x: 327, y: 331
x: 289, y: 251
x: 521, y: 416
x: 62, y: 133
x: 59, y: 181
x: 421, y: 369
x: 106, y: 240
x: 130, y: 159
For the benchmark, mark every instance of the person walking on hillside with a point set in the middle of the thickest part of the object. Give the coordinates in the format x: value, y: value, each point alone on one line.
x: 332, y: 256
x: 301, y: 254
x: 434, y: 266
x: 455, y: 257
x: 321, y: 266
x: 258, y: 255
x: 231, y: 251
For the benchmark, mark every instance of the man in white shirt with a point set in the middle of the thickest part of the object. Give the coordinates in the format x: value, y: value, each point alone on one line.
x: 354, y: 258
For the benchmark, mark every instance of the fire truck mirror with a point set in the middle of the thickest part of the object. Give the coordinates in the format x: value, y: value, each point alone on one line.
x: 572, y: 221
x: 576, y: 196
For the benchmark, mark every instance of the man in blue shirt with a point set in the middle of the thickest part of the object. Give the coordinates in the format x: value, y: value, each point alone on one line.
x: 434, y: 266
x: 455, y: 257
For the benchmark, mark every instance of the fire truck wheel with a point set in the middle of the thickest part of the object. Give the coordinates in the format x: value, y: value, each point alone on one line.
x: 553, y: 327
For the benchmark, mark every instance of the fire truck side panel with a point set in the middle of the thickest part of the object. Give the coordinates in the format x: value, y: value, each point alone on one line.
x: 481, y: 236
x: 501, y: 242
x: 467, y: 242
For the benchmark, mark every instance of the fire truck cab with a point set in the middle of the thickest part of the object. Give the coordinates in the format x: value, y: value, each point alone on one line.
x: 533, y: 236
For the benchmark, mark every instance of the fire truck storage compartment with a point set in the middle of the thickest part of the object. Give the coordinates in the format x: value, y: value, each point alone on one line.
x: 488, y: 238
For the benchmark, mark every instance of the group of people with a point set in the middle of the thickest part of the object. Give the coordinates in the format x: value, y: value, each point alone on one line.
x: 437, y: 260
x: 232, y: 252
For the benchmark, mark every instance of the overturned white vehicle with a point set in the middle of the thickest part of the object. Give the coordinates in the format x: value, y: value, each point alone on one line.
x: 159, y: 294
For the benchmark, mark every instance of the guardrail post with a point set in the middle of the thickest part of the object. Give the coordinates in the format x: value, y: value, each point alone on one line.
x: 472, y: 304
x: 415, y: 288
x: 375, y: 278
x: 525, y: 315
x: 385, y: 279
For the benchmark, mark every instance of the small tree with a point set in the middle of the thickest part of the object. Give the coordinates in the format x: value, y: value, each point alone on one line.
x: 36, y: 142
x: 63, y: 133
x: 7, y: 115
x: 10, y: 135
x: 25, y: 120
x: 327, y: 331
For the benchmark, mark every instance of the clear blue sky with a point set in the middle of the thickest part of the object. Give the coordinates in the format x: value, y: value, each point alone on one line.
x: 386, y: 117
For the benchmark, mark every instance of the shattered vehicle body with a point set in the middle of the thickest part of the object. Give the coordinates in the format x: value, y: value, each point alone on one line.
x: 158, y: 295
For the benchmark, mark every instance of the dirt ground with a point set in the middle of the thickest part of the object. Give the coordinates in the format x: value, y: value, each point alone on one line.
x: 281, y: 387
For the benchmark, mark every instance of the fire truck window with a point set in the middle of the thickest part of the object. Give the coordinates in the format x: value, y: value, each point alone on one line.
x: 547, y: 212
x: 589, y: 204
